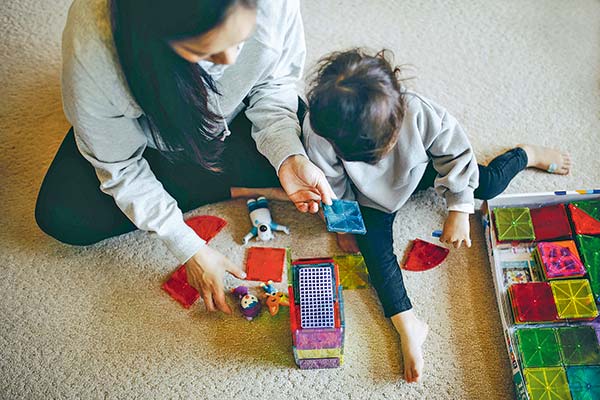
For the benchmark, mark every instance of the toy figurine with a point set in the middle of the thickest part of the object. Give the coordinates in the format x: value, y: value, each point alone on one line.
x: 262, y: 223
x: 249, y: 304
x: 273, y: 298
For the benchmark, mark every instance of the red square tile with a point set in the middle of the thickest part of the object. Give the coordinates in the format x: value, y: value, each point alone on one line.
x: 178, y: 287
x: 533, y: 302
x: 550, y: 222
x: 265, y: 263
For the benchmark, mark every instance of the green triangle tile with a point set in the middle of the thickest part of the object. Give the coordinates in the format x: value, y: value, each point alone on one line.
x: 589, y: 249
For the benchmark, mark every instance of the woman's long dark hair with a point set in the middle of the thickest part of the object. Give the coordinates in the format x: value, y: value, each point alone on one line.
x: 172, y: 92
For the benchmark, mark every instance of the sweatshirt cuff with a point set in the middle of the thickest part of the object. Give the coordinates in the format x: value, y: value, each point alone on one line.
x: 182, y: 241
x: 458, y: 201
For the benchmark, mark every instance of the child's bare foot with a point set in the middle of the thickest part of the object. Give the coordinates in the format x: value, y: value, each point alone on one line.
x: 547, y: 159
x: 347, y: 242
x: 413, y: 333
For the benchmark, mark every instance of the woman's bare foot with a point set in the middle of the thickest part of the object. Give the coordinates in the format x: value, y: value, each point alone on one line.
x: 413, y: 333
x: 347, y: 242
x: 547, y: 159
x: 269, y: 193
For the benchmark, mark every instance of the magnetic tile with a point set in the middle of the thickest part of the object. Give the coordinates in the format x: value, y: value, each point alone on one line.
x: 344, y: 216
x: 560, y: 259
x: 533, y: 302
x: 513, y: 224
x: 178, y: 287
x: 574, y: 299
x: 316, y: 298
x: 584, y: 382
x: 579, y: 345
x: 353, y: 271
x: 547, y: 383
x: 550, y: 222
x: 538, y: 347
x: 586, y: 217
x: 589, y: 248
x: 424, y: 256
x: 265, y: 263
x: 206, y: 226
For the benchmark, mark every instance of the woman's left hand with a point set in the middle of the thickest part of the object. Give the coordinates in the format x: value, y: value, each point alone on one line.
x: 456, y: 229
x: 304, y: 183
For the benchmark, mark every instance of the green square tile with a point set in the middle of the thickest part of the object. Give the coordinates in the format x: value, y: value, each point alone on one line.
x: 584, y: 382
x: 547, y: 383
x: 579, y: 345
x: 353, y: 271
x: 538, y: 347
x: 589, y: 249
x: 513, y: 224
x: 574, y: 299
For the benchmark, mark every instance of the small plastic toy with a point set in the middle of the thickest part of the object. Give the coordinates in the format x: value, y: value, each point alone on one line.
x: 179, y: 288
x: 513, y: 224
x: 589, y: 248
x: 538, y: 347
x: 265, y: 264
x: 560, y: 259
x: 249, y: 304
x: 262, y: 223
x: 424, y: 256
x: 316, y: 313
x: 584, y: 382
x: 579, y: 345
x: 551, y: 222
x: 547, y: 383
x: 574, y: 299
x: 586, y: 217
x: 533, y: 302
x: 344, y: 216
x: 353, y: 271
x: 273, y: 298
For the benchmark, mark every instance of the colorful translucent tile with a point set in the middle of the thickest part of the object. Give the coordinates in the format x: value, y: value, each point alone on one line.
x: 551, y: 222
x: 586, y: 217
x: 533, y: 302
x: 547, y: 383
x: 206, y: 226
x: 513, y: 224
x: 317, y: 353
x: 584, y: 382
x: 560, y: 259
x: 579, y: 345
x: 589, y: 248
x: 316, y: 298
x: 178, y: 287
x: 344, y: 216
x: 319, y: 363
x: 353, y: 271
x: 574, y: 299
x: 424, y: 256
x: 265, y: 263
x: 538, y: 347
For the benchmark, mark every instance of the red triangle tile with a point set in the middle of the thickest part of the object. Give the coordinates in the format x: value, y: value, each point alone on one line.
x: 179, y: 288
x: 424, y: 256
x: 584, y: 223
x: 206, y: 226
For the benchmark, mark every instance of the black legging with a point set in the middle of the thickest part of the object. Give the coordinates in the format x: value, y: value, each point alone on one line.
x: 72, y: 209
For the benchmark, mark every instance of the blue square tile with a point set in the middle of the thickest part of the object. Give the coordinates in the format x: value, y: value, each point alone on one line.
x: 344, y: 216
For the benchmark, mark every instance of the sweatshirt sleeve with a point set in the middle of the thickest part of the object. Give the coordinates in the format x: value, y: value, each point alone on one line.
x: 322, y: 154
x: 113, y: 144
x: 454, y: 160
x: 273, y: 102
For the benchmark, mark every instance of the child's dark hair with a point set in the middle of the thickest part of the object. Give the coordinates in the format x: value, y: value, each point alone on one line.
x: 356, y: 102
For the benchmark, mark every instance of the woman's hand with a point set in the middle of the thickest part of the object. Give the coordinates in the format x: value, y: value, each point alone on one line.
x: 205, y: 272
x: 456, y: 229
x: 304, y: 183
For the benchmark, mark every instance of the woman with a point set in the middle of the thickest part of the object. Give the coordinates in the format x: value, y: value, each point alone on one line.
x: 153, y: 94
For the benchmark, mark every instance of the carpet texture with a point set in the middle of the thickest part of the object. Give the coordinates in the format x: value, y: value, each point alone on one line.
x: 94, y: 323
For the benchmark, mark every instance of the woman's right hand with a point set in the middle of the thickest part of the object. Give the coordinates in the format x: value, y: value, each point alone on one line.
x: 205, y: 272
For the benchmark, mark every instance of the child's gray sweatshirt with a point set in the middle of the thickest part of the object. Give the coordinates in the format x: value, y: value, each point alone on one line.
x: 428, y: 133
x: 111, y: 131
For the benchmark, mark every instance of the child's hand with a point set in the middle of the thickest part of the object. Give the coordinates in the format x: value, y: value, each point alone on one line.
x: 347, y: 242
x: 456, y: 229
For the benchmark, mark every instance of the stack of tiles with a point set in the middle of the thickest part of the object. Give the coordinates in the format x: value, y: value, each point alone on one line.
x: 316, y: 313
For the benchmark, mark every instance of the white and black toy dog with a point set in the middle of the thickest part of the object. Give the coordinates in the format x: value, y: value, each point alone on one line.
x: 262, y: 223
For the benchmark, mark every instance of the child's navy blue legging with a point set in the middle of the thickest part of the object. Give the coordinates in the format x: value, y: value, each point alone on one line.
x: 377, y: 246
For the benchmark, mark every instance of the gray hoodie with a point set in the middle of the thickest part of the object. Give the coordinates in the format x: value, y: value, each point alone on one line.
x: 428, y: 133
x: 111, y: 131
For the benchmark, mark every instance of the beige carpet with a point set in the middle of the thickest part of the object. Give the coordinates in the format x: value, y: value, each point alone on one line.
x: 94, y: 323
